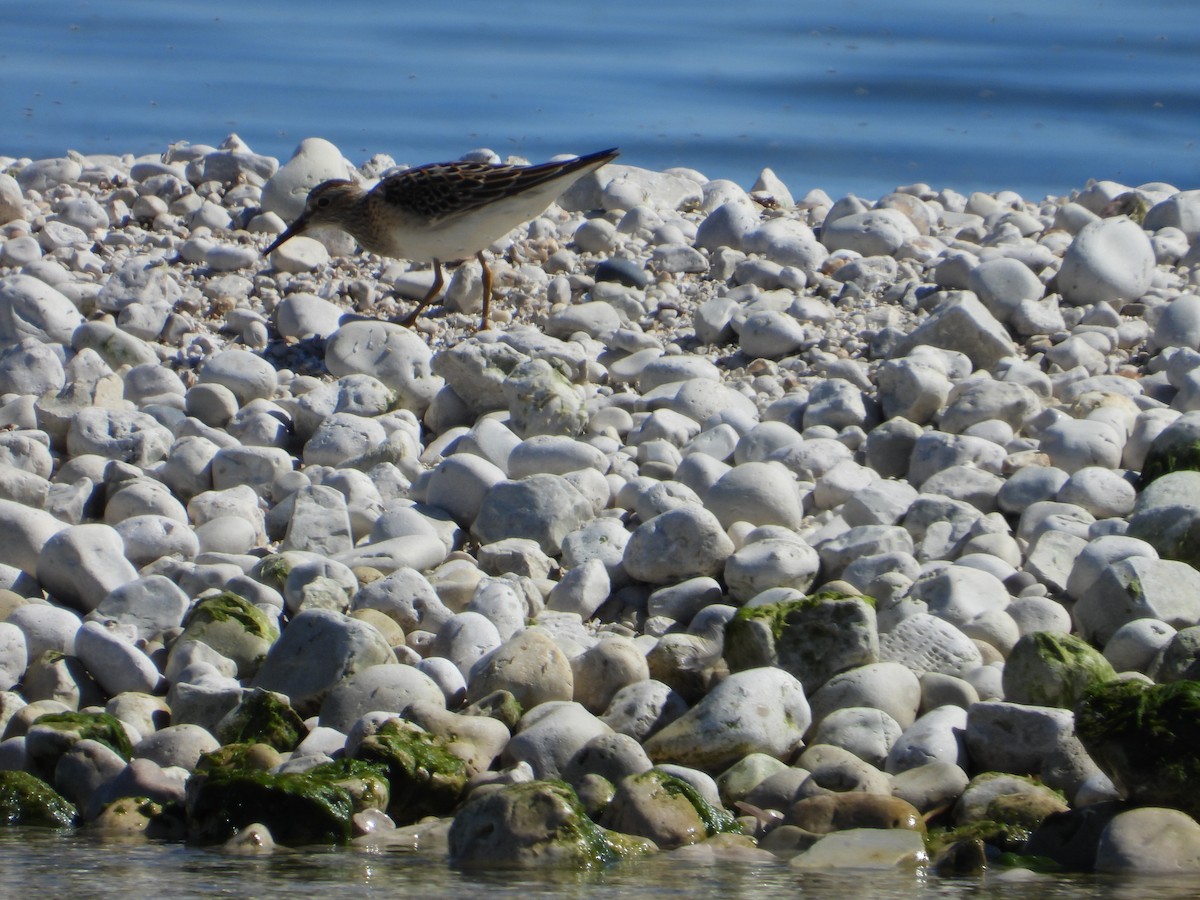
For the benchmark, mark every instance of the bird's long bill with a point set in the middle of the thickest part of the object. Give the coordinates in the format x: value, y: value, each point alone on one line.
x: 290, y: 232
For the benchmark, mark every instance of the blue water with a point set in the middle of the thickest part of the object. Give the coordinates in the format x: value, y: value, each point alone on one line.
x: 852, y: 96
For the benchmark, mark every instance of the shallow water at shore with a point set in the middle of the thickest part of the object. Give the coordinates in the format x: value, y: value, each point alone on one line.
x: 39, y: 863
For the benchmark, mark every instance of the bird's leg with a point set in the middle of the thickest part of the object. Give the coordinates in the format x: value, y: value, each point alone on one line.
x: 411, y: 318
x: 487, y: 291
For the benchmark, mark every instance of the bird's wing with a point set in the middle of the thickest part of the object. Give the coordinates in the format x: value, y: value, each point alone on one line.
x: 441, y: 191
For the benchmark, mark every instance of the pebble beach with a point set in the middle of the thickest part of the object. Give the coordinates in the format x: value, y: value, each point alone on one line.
x: 817, y: 532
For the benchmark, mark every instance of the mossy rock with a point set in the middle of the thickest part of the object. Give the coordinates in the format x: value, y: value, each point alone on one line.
x: 1175, y: 449
x: 1024, y: 811
x: 425, y: 778
x: 366, y: 782
x: 263, y: 717
x: 53, y: 734
x: 27, y: 800
x: 1146, y: 738
x: 1167, y: 514
x: 664, y: 809
x: 256, y: 757
x: 1004, y: 837
x: 500, y: 705
x: 983, y: 799
x: 92, y: 726
x: 1179, y: 660
x: 297, y: 808
x: 273, y: 570
x: 234, y: 627
x: 537, y: 823
x: 716, y: 819
x: 812, y: 638
x: 1159, y: 462
x: 1050, y: 669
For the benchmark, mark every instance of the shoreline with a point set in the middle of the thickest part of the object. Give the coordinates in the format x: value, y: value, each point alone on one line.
x: 919, y: 469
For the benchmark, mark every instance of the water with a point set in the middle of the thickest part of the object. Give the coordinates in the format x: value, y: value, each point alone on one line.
x: 37, y: 863
x: 856, y: 96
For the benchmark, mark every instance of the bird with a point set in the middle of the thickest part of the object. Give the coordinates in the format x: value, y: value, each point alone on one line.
x: 441, y: 211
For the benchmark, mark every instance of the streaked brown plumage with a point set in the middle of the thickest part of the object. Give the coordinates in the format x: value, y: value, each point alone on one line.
x: 441, y: 211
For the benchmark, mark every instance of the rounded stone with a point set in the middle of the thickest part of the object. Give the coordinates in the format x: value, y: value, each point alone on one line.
x: 529, y: 665
x: 761, y: 493
x: 1109, y: 259
x: 1149, y: 840
x: 682, y: 543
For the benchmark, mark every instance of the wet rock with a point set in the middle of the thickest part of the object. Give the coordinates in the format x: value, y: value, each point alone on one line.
x: 535, y: 824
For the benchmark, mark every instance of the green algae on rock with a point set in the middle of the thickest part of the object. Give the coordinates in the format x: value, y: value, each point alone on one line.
x: 499, y: 705
x: 262, y: 717
x: 1145, y: 738
x: 425, y: 778
x: 664, y: 809
x: 234, y: 627
x: 53, y: 734
x: 1175, y: 449
x: 813, y: 637
x: 1167, y: 514
x: 1049, y: 669
x: 366, y: 782
x: 259, y: 757
x: 273, y: 570
x: 298, y: 808
x: 1003, y: 836
x: 531, y: 824
x: 27, y: 800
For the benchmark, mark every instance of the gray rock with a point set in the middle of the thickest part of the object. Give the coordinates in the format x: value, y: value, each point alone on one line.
x: 761, y: 493
x: 642, y: 708
x: 465, y: 639
x: 682, y: 543
x: 549, y: 736
x: 114, y: 661
x: 1138, y: 587
x: 964, y: 324
x: 176, y: 745
x: 296, y: 667
x: 812, y: 639
x: 544, y: 508
x: 1016, y: 739
x: 30, y: 308
x: 604, y: 670
x: 541, y: 400
x: 528, y: 665
x: 936, y: 738
x: 1149, y: 841
x: 866, y: 732
x: 79, y: 565
x: 1109, y: 259
x: 730, y: 722
x: 391, y: 353
x: 925, y: 643
x: 389, y: 688
x: 770, y: 563
x: 84, y: 768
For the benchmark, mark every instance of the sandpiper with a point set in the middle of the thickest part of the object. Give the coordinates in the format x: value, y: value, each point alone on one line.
x: 441, y: 211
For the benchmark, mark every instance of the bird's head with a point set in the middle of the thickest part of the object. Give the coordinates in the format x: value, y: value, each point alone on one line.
x: 329, y: 203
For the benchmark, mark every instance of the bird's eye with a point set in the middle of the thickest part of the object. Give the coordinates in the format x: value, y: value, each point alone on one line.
x: 323, y: 202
